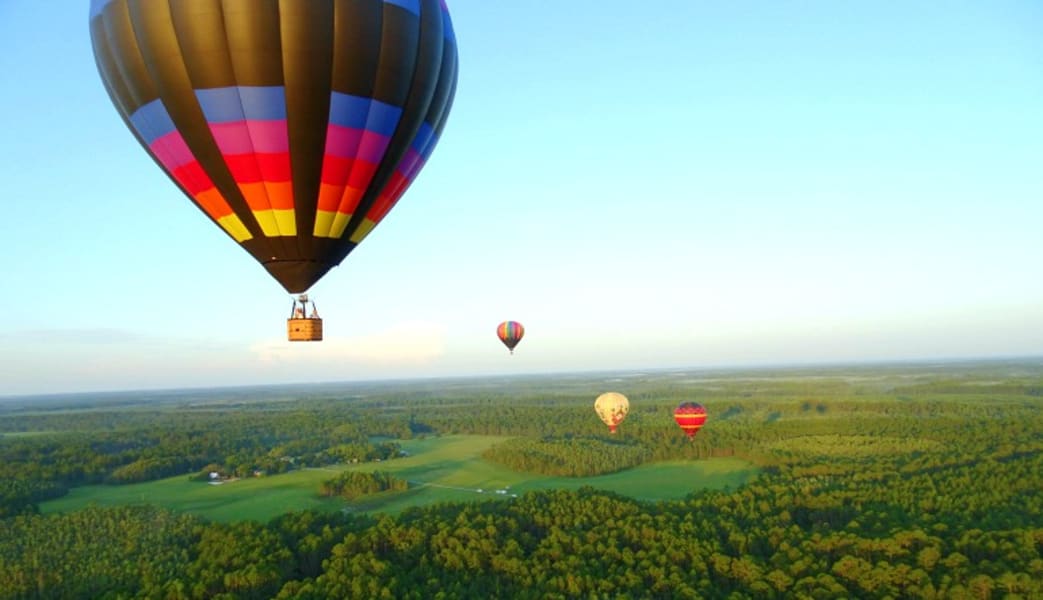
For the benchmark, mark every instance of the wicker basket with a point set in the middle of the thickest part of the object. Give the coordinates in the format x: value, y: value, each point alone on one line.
x: 304, y: 330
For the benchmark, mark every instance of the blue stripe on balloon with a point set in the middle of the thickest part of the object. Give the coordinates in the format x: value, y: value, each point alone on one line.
x: 423, y: 136
x: 231, y: 104
x: 412, y: 6
x: 363, y: 113
x: 97, y: 6
x: 152, y: 121
x: 447, y: 27
x: 264, y: 103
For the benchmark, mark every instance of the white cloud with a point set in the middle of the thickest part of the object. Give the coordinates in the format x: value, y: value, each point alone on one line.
x: 407, y: 343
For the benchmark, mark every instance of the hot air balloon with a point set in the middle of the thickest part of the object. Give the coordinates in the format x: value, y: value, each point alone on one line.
x: 612, y: 408
x: 510, y: 333
x: 293, y: 126
x: 690, y: 416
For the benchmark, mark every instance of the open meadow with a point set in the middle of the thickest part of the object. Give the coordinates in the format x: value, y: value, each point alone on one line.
x: 438, y: 469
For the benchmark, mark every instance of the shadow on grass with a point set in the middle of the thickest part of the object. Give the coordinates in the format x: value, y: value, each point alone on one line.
x: 430, y: 472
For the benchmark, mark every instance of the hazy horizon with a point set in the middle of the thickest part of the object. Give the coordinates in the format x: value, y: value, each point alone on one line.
x: 735, y: 371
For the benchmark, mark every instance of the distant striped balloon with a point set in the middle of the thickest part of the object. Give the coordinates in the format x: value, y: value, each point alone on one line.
x: 690, y: 416
x: 293, y: 125
x: 510, y: 333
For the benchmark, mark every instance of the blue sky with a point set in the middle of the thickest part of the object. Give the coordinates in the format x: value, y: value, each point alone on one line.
x: 675, y: 184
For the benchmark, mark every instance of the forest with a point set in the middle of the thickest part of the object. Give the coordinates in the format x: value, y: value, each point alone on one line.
x: 902, y: 481
x: 572, y: 457
x: 351, y: 485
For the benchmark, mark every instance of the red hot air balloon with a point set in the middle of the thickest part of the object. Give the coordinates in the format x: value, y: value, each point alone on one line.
x: 293, y: 126
x: 510, y: 333
x: 690, y: 416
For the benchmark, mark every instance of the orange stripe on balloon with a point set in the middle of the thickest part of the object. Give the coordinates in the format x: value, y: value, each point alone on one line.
x: 267, y: 195
x: 255, y: 195
x: 349, y: 199
x: 380, y: 208
x: 213, y: 203
x: 280, y: 194
x: 329, y: 197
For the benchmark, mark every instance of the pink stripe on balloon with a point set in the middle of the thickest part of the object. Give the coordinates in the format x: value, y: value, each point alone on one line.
x: 342, y: 142
x: 171, y: 150
x: 411, y: 164
x: 232, y: 138
x: 373, y: 146
x: 269, y: 137
x: 247, y: 137
x: 348, y: 142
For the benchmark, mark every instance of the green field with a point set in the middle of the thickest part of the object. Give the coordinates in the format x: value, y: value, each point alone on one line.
x: 439, y: 469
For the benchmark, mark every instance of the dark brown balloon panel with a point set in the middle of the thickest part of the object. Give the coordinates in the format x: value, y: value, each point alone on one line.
x: 295, y: 126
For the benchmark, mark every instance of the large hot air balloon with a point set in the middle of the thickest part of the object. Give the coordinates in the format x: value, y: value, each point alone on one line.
x: 690, y: 416
x: 612, y: 408
x: 295, y: 126
x: 510, y: 333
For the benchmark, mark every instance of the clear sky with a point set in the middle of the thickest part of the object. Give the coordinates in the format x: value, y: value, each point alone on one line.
x: 682, y: 183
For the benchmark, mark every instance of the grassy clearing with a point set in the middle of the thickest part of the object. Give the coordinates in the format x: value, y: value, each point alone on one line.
x: 439, y: 469
x: 256, y: 498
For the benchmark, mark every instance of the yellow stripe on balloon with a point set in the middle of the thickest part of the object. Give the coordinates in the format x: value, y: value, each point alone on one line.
x: 266, y: 220
x: 362, y: 230
x: 323, y: 223
x: 330, y: 224
x: 275, y: 223
x: 234, y: 227
x: 340, y: 222
x: 287, y: 221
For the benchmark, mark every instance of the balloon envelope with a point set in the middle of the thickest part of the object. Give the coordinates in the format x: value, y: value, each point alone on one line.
x: 690, y: 416
x: 510, y: 333
x: 612, y: 408
x: 294, y: 126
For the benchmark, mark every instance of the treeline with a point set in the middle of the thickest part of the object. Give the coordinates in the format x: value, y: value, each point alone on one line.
x: 355, y: 484
x: 568, y: 457
x: 340, y: 454
x: 19, y: 496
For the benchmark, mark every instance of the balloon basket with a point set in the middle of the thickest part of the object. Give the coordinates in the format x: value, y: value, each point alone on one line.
x: 302, y: 326
x: 304, y: 330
